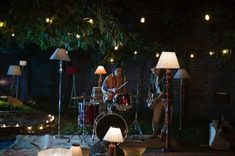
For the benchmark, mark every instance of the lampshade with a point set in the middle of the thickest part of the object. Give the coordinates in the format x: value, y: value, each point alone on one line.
x: 55, y: 152
x: 14, y: 70
x: 23, y: 63
x: 76, y: 150
x: 114, y: 135
x: 100, y: 70
x: 181, y: 74
x: 168, y: 60
x: 60, y: 54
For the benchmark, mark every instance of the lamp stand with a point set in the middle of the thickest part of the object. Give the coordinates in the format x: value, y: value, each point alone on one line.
x: 100, y: 81
x: 72, y: 102
x: 168, y: 111
x: 112, y: 149
x: 60, y: 97
x: 181, y: 102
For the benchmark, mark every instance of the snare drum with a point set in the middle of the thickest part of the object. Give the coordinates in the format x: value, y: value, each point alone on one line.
x: 105, y: 120
x: 123, y: 102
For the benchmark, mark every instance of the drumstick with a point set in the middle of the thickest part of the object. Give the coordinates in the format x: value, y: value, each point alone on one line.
x: 122, y: 85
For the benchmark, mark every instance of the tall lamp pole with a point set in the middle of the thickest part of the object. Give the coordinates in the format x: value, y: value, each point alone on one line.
x: 61, y: 55
x: 168, y: 61
x: 181, y: 74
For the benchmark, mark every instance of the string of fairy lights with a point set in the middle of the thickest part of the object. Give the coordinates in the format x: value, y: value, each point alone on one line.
x: 142, y: 20
x: 31, y: 129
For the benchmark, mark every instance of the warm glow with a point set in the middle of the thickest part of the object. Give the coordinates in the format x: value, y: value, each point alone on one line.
x: 51, y: 21
x: 100, y: 70
x: 12, y: 34
x: 2, y: 24
x: 91, y: 21
x: 29, y: 128
x: 111, y: 60
x: 211, y: 53
x: 157, y: 55
x: 41, y: 127
x: 4, y: 126
x: 78, y: 36
x: 225, y: 51
x: 135, y: 52
x: 47, y: 121
x: 17, y: 125
x: 114, y: 135
x: 207, y: 17
x: 168, y: 60
x: 47, y: 19
x: 191, y: 55
x: 116, y: 47
x: 142, y: 20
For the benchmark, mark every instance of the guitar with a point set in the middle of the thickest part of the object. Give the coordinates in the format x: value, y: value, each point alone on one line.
x: 151, y: 100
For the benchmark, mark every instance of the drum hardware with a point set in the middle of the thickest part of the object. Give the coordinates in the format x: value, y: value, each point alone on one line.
x: 81, y: 115
x: 135, y: 123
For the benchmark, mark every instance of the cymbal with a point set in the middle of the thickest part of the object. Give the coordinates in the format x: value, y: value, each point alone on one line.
x: 83, y: 97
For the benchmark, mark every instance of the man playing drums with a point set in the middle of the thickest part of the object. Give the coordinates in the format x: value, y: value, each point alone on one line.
x: 112, y: 85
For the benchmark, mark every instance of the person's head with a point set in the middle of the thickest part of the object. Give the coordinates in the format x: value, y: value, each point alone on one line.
x: 117, y: 70
x: 156, y: 71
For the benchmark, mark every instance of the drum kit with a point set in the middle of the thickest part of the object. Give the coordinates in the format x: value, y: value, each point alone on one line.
x: 125, y: 114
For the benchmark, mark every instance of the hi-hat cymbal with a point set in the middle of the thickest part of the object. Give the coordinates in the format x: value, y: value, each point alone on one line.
x: 83, y: 97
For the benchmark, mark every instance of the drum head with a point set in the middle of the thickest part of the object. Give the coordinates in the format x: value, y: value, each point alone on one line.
x: 107, y: 120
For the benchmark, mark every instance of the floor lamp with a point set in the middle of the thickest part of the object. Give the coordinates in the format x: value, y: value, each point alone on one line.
x: 181, y: 74
x: 100, y: 70
x: 61, y: 55
x: 15, y: 71
x: 168, y: 61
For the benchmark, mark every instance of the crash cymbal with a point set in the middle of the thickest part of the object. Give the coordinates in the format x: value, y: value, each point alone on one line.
x: 83, y: 97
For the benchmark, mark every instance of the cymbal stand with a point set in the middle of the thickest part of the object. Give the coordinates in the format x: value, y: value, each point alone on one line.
x: 135, y: 123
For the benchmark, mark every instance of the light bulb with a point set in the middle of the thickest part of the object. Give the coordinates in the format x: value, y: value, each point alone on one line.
x: 142, y: 20
x: 207, y: 17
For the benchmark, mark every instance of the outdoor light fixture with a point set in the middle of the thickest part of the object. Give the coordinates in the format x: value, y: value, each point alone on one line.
x: 78, y: 36
x: 181, y: 74
x: 191, y: 55
x: 142, y: 20
x: 13, y: 35
x: 76, y: 150
x: 100, y: 70
x: 135, y: 52
x: 207, y: 17
x: 168, y: 60
x: 15, y: 71
x: 61, y: 55
x: 114, y: 135
x: 211, y: 53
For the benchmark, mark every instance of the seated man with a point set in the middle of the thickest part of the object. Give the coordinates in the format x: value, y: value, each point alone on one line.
x: 101, y: 149
x: 111, y: 84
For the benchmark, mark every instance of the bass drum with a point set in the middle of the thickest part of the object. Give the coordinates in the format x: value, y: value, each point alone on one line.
x: 105, y: 120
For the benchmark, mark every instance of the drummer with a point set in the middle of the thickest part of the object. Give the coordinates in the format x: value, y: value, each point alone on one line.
x: 111, y: 84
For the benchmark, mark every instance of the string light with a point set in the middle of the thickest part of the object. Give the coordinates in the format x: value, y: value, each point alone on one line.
x: 29, y: 128
x: 41, y: 127
x: 211, y: 53
x: 49, y: 115
x: 91, y: 21
x: 116, y: 47
x: 47, y: 19
x: 47, y: 121
x: 17, y: 125
x: 78, y: 36
x: 135, y: 52
x: 4, y: 126
x: 111, y: 60
x: 225, y: 51
x: 142, y: 20
x: 191, y: 55
x: 207, y: 17
x: 2, y: 24
x: 51, y: 21
x: 157, y: 55
x: 13, y: 35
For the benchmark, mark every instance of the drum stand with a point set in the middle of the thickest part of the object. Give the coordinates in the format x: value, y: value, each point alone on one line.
x: 83, y: 125
x: 135, y: 123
